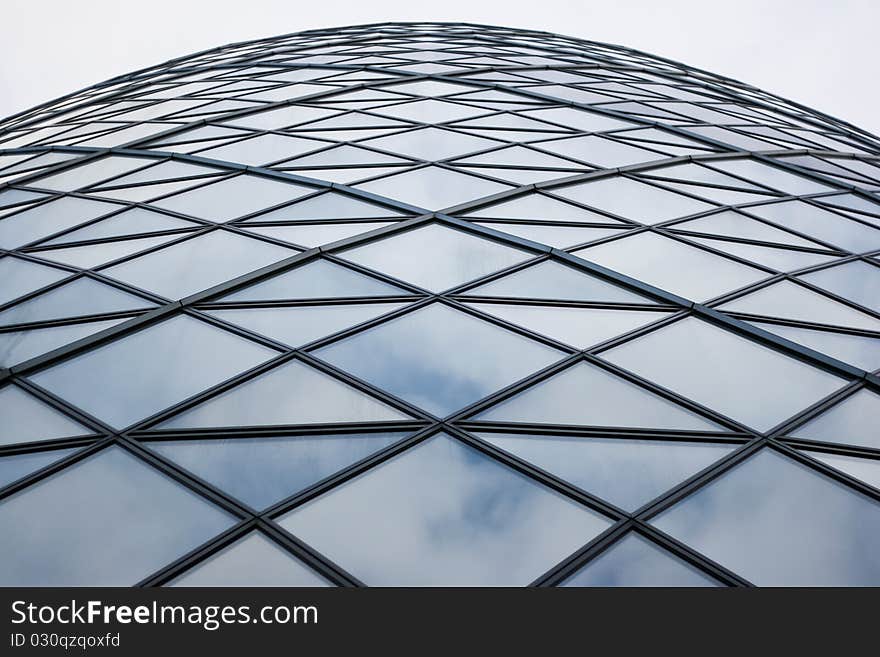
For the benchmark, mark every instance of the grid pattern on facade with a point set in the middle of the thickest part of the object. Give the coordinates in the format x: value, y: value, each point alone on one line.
x: 437, y: 304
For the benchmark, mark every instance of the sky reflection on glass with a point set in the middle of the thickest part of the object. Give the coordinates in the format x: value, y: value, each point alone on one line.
x: 777, y: 523
x: 251, y: 561
x: 439, y: 359
x: 262, y: 471
x: 110, y: 520
x: 627, y: 473
x: 144, y: 372
x: 444, y: 514
x: 636, y: 561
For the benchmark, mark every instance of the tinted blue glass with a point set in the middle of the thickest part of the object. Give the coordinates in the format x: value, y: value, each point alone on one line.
x: 438, y: 358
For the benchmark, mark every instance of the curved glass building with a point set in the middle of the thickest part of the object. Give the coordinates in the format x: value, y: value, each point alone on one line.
x: 437, y: 304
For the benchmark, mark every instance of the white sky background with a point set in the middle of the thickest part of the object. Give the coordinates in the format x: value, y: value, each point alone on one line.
x: 822, y: 53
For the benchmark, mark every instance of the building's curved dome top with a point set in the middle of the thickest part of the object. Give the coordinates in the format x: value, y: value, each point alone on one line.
x: 437, y: 304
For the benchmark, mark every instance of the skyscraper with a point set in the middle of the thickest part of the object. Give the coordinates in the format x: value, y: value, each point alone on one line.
x: 437, y: 304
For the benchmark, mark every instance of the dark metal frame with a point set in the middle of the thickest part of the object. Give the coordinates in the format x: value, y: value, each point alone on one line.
x: 404, y: 217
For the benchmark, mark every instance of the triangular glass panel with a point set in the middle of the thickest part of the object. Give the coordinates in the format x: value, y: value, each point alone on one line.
x: 697, y: 173
x: 557, y: 236
x: 859, y: 350
x: 206, y: 133
x: 327, y: 206
x: 627, y: 473
x: 634, y: 200
x: 605, y: 153
x: 578, y: 327
x: 541, y: 208
x: 232, y: 197
x: 855, y: 280
x: 144, y: 192
x: 345, y: 155
x: 263, y: 471
x: 16, y: 466
x: 316, y: 280
x: 353, y: 120
x: 345, y: 175
x: 90, y: 173
x: 721, y: 196
x: 580, y: 119
x: 262, y: 150
x: 851, y: 422
x: 772, y: 176
x: 92, y: 255
x: 310, y: 235
x: 129, y: 223
x: 551, y: 280
x: 738, y: 225
x: 11, y: 197
x: 23, y: 276
x: 341, y: 135
x: 863, y: 469
x: 430, y: 88
x: 433, y: 187
x: 49, y: 218
x: 435, y: 256
x: 637, y: 562
x: 100, y: 521
x: 19, y: 346
x: 192, y: 265
x: 789, y: 300
x: 442, y: 483
x: 438, y: 358
x: 588, y: 395
x: 517, y: 176
x: 168, y: 170
x: 509, y: 121
x: 519, y: 156
x: 292, y: 393
x: 821, y: 224
x: 431, y: 144
x: 26, y: 419
x: 250, y: 561
x: 77, y: 298
x: 298, y: 325
x: 431, y: 111
x: 672, y: 265
x: 779, y: 522
x: 283, y: 117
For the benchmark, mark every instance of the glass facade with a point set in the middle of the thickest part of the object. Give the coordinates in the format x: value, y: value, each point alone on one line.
x: 437, y: 304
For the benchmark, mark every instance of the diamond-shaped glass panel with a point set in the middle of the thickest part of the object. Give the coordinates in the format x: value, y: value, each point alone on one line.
x: 299, y: 325
x: 587, y: 395
x: 628, y: 473
x: 851, y: 422
x: 99, y: 522
x: 232, y: 197
x: 634, y: 200
x: 262, y: 471
x: 251, y: 561
x: 637, y: 562
x: 26, y: 419
x: 144, y: 372
x: 779, y: 523
x: 438, y: 358
x: 433, y: 188
x: 435, y: 257
x: 742, y: 379
x: 498, y: 527
x: 197, y: 264
x: 673, y: 266
x: 292, y: 393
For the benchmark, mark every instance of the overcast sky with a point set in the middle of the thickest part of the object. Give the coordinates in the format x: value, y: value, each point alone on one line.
x: 822, y: 53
